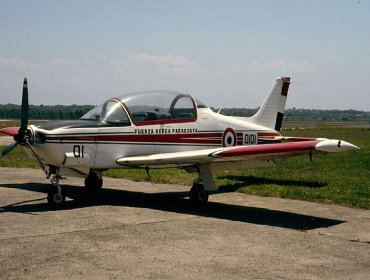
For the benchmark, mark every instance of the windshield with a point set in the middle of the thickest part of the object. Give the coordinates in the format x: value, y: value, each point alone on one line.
x: 111, y: 112
x: 94, y: 114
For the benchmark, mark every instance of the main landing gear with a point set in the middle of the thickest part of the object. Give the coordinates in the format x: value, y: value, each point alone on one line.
x: 94, y: 181
x: 198, y: 195
x: 204, y: 184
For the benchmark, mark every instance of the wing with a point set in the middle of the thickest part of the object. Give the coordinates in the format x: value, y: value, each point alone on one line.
x: 238, y: 153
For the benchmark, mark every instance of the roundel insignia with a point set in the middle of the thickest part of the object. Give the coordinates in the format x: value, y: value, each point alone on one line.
x: 229, y: 138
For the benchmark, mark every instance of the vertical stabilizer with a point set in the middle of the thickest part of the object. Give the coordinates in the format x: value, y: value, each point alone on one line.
x: 271, y: 112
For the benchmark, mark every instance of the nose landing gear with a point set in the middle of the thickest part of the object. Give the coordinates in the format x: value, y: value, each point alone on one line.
x: 56, y: 197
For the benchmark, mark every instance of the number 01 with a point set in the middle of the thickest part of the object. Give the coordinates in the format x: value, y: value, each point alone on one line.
x: 78, y: 151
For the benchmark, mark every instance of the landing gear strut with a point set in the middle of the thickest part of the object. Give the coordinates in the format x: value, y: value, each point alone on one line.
x: 56, y: 197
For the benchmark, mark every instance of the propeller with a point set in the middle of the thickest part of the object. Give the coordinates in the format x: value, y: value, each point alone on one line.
x: 22, y: 137
x: 24, y: 111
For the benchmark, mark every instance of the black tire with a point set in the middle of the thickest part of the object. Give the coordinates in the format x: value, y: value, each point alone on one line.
x: 55, y: 200
x: 93, y: 182
x: 198, y: 196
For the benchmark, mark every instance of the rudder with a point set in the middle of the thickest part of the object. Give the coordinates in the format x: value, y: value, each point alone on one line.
x: 271, y: 113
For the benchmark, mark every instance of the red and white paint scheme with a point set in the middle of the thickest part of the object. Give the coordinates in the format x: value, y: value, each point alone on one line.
x: 160, y: 129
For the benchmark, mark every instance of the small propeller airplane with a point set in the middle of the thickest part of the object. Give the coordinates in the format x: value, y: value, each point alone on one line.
x: 160, y: 129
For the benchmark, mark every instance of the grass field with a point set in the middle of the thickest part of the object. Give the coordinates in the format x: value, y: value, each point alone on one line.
x: 342, y: 179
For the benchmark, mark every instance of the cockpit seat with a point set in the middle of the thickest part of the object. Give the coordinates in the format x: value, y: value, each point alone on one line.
x: 140, y: 116
x: 151, y: 116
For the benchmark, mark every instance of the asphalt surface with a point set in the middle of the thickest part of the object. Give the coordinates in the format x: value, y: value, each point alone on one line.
x: 134, y: 230
x: 6, y: 140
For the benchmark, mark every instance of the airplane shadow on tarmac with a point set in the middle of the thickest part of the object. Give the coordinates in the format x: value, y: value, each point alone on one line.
x: 245, y: 181
x: 175, y: 202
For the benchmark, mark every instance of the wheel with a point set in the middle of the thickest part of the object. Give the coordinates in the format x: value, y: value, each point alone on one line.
x: 198, y: 196
x: 56, y: 200
x: 93, y: 182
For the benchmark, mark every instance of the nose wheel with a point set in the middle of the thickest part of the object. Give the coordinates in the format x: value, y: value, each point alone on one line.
x: 56, y: 197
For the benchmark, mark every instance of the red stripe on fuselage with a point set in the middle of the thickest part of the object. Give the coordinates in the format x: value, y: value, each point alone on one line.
x: 163, y: 138
x: 268, y: 134
x: 191, y: 138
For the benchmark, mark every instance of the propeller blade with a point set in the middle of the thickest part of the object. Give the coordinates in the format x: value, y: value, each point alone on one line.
x: 8, y: 149
x: 24, y: 110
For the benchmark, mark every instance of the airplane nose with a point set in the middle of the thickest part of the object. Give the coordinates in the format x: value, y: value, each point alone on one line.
x: 39, y: 137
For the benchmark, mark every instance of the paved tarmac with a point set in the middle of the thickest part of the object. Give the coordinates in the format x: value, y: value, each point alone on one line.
x: 5, y: 140
x: 134, y: 230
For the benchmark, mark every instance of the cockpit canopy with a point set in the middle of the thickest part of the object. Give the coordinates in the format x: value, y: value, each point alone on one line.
x: 145, y: 108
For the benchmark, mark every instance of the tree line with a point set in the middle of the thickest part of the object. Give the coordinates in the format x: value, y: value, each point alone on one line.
x: 306, y: 114
x: 45, y: 112
x: 74, y: 112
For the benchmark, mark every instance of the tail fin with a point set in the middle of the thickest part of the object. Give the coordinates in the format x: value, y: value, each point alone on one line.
x: 271, y: 112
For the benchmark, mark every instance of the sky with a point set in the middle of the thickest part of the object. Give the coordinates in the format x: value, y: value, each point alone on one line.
x: 226, y: 53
